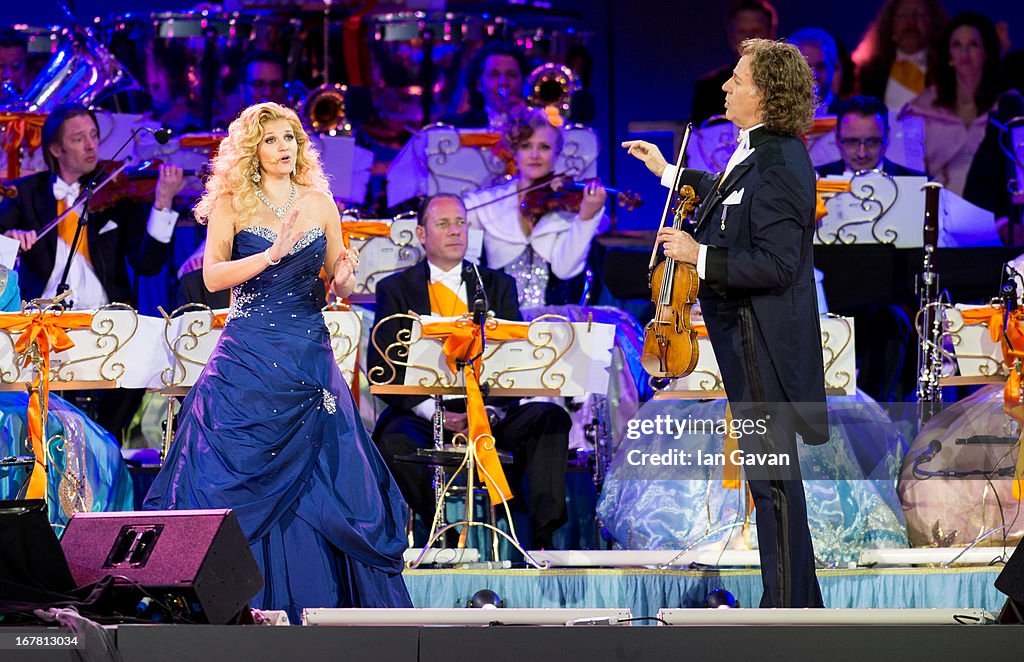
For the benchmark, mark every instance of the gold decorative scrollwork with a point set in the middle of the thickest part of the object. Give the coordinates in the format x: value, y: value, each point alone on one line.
x: 832, y: 355
x: 186, y: 341
x: 343, y: 346
x: 108, y: 338
x: 397, y: 353
x: 865, y: 192
x: 954, y: 327
x: 545, y: 352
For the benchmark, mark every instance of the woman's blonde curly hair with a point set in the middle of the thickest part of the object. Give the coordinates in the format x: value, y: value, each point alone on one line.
x: 786, y: 83
x: 236, y: 162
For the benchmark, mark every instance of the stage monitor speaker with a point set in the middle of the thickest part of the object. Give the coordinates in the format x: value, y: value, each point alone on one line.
x: 192, y: 565
x: 1011, y: 582
x: 32, y: 566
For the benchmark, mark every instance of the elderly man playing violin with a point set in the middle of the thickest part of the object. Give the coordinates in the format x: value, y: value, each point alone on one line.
x: 128, y: 232
x: 542, y: 251
x: 752, y: 250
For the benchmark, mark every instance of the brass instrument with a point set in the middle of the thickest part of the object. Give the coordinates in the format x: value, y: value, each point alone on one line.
x: 81, y: 71
x: 324, y: 110
x: 551, y: 84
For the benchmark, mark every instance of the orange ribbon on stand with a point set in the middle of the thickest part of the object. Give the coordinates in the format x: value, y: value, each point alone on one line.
x: 1013, y: 352
x: 494, y: 142
x: 363, y: 230
x: 48, y: 331
x: 826, y: 187
x: 21, y: 130
x: 462, y: 341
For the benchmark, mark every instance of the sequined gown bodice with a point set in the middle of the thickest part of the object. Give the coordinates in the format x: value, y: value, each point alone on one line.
x: 270, y: 430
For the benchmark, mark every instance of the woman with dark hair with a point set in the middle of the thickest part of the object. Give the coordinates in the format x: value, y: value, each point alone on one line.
x: 967, y: 82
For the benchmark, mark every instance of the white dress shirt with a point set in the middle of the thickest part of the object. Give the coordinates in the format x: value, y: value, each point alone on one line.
x: 87, y: 291
x: 743, y: 150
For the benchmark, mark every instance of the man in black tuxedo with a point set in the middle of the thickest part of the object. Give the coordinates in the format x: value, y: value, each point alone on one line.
x: 862, y: 134
x: 537, y: 432
x: 753, y: 253
x: 126, y: 233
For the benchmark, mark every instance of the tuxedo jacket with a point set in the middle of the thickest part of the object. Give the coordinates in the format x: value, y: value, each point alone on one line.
x: 407, y: 291
x: 117, y: 237
x: 888, y: 167
x: 758, y: 295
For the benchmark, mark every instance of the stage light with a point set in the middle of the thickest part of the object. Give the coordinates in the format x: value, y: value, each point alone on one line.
x: 485, y: 597
x: 720, y: 599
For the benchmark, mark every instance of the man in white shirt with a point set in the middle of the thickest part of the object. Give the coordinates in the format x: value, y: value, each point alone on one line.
x: 537, y: 433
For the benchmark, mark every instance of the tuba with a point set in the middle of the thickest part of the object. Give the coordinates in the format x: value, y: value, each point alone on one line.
x: 324, y: 109
x: 551, y: 84
x: 81, y: 71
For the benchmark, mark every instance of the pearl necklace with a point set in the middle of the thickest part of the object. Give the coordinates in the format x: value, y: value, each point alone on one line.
x: 278, y: 211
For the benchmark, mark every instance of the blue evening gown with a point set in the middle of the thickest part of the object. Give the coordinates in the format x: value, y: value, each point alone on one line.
x: 270, y: 430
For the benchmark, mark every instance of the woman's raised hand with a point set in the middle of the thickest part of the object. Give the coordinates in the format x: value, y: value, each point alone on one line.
x: 345, y: 271
x: 287, y: 236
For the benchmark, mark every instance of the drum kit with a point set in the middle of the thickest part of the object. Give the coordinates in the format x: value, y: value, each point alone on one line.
x: 409, y: 64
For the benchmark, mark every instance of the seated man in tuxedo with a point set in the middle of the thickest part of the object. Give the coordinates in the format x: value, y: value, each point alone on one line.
x: 883, y: 331
x: 537, y: 433
x: 862, y: 134
x: 127, y: 233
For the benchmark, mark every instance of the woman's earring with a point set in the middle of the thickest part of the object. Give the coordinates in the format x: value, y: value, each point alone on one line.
x: 256, y: 178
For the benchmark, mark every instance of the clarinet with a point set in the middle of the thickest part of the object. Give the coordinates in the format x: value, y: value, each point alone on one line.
x: 929, y: 321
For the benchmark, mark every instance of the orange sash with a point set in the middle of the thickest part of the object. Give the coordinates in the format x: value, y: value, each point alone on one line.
x: 461, y: 341
x: 66, y: 231
x: 48, y: 332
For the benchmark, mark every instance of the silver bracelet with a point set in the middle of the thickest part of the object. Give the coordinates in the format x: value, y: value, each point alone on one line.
x: 270, y: 263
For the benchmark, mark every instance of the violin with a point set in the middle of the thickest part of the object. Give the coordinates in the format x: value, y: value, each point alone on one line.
x: 137, y: 183
x: 559, y: 193
x: 670, y: 341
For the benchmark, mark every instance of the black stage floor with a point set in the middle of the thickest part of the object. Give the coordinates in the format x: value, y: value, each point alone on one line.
x: 178, y: 643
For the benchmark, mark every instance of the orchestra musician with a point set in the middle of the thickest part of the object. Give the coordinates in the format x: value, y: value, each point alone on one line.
x: 128, y: 233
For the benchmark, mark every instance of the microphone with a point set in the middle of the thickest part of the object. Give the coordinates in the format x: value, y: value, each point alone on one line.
x: 927, y: 455
x: 479, y: 311
x: 163, y: 136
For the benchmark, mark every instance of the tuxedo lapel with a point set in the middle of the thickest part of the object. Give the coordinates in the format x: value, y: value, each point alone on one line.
x: 417, y: 283
x: 718, y: 194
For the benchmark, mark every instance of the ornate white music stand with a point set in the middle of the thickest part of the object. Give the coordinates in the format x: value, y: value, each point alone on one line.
x: 555, y: 358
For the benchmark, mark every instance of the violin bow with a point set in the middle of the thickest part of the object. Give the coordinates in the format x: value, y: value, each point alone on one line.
x: 534, y: 187
x: 83, y: 199
x: 672, y: 192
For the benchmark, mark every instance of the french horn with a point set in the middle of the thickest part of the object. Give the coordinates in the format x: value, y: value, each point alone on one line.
x: 551, y: 84
x: 81, y: 71
x: 324, y: 109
